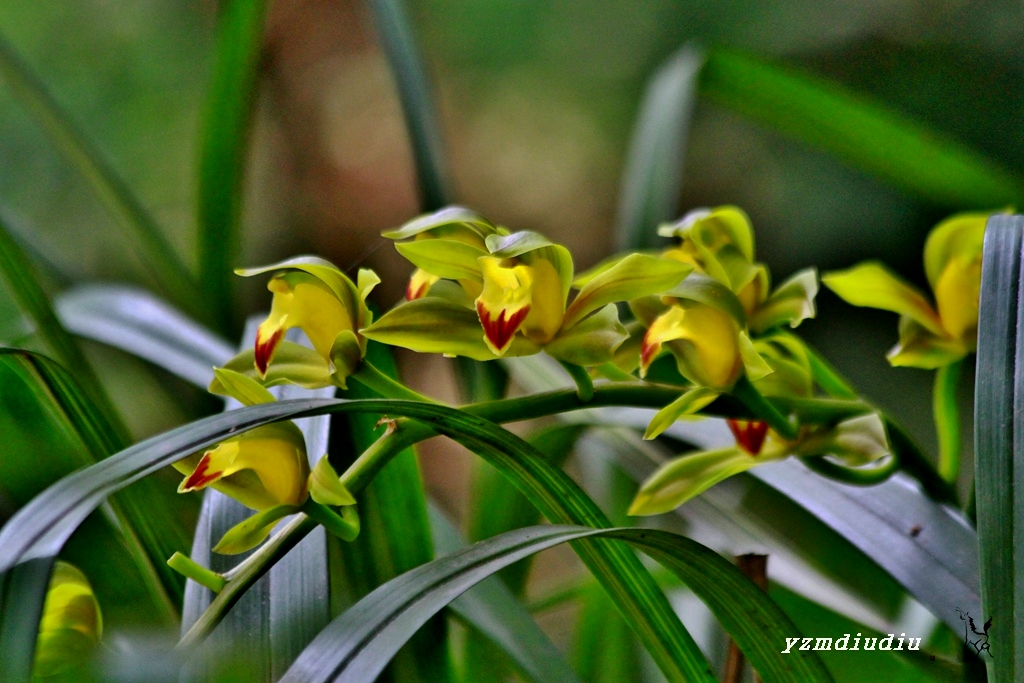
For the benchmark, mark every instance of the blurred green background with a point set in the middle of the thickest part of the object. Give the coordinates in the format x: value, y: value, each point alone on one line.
x: 537, y: 100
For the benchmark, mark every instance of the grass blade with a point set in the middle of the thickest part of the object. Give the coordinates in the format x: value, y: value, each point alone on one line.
x: 49, y: 428
x: 224, y: 144
x: 399, y: 45
x: 135, y: 321
x: 153, y: 250
x: 869, y: 137
x: 932, y: 566
x: 396, y: 534
x: 492, y: 610
x: 654, y: 166
x: 500, y: 507
x: 355, y: 647
x: 27, y: 321
x: 42, y: 527
x: 22, y: 593
x: 999, y: 393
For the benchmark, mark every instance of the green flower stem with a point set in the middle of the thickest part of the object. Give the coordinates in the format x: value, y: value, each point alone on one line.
x: 827, y: 377
x: 765, y: 410
x: 245, y: 575
x: 858, y: 476
x: 584, y: 384
x: 186, y: 566
x: 613, y: 373
x: 408, y: 432
x: 947, y: 420
x: 377, y: 381
x: 345, y: 525
x: 911, y: 457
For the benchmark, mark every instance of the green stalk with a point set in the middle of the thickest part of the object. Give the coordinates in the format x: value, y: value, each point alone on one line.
x: 827, y: 377
x: 761, y: 407
x: 186, y: 566
x: 409, y: 432
x: 858, y: 476
x: 584, y: 384
x: 375, y: 380
x: 947, y: 420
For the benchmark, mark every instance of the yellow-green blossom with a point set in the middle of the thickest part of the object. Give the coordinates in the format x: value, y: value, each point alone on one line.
x: 929, y: 336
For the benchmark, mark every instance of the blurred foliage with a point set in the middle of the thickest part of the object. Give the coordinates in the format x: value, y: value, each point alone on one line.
x: 537, y: 99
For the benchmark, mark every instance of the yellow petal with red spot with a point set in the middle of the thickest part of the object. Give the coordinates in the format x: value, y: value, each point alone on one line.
x: 304, y: 301
x: 419, y: 283
x: 505, y: 301
x: 666, y: 327
x: 706, y: 344
x: 263, y: 468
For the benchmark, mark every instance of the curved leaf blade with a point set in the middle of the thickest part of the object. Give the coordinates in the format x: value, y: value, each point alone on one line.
x: 223, y: 147
x: 898, y: 150
x: 357, y: 645
x: 135, y: 321
x: 169, y: 270
x: 653, y: 175
x: 493, y: 610
x: 42, y: 527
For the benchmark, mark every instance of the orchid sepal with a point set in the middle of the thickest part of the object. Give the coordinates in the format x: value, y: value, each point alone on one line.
x: 252, y: 531
x: 448, y: 218
x: 325, y: 485
x: 261, y: 468
x: 682, y: 408
x: 293, y: 364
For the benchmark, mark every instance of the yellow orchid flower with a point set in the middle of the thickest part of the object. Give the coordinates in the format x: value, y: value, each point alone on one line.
x: 855, y: 442
x: 70, y: 627
x: 719, y: 242
x: 444, y: 245
x: 315, y: 296
x: 262, y: 468
x: 519, y: 301
x: 519, y: 296
x: 303, y: 301
x: 929, y: 336
x: 706, y: 344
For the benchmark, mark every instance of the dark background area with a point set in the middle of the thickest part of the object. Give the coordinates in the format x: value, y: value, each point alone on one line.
x: 537, y: 100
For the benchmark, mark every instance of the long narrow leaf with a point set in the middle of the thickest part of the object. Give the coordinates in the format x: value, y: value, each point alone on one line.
x: 49, y: 428
x: 654, y: 167
x: 396, y: 532
x: 936, y: 566
x: 135, y: 321
x: 282, y: 613
x: 871, y: 138
x: 999, y: 436
x: 399, y: 44
x: 150, y: 540
x: 42, y: 527
x: 224, y: 147
x: 22, y: 593
x: 356, y: 646
x: 27, y: 321
x: 153, y: 250
x: 493, y: 611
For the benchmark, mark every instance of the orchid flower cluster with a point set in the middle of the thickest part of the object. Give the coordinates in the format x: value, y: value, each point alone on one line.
x: 701, y: 316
